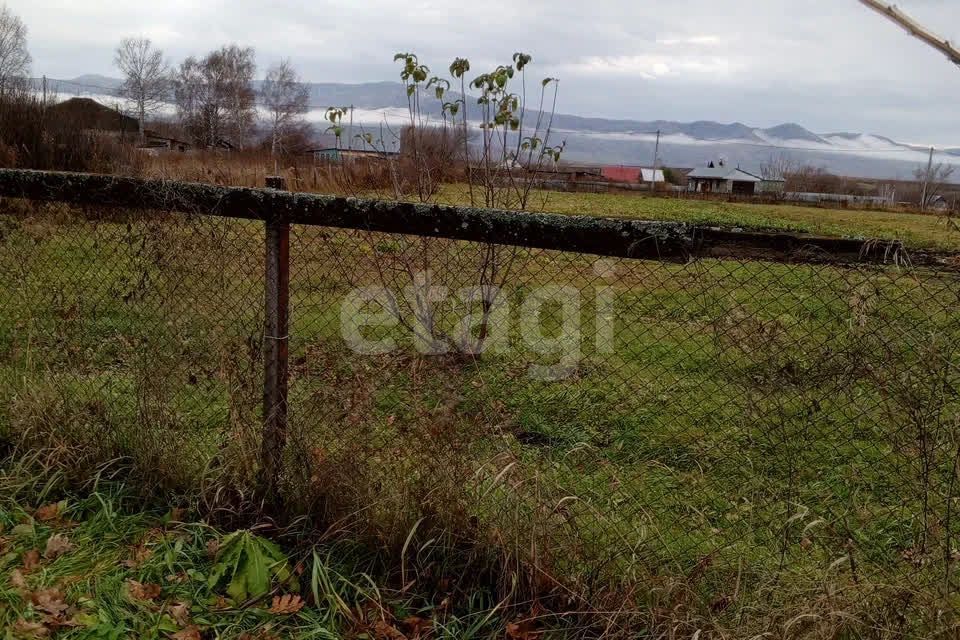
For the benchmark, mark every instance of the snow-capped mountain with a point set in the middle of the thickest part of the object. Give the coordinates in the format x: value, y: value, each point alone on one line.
x: 619, y: 141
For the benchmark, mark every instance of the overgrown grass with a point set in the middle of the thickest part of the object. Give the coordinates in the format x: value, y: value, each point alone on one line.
x: 93, y: 562
x: 768, y: 448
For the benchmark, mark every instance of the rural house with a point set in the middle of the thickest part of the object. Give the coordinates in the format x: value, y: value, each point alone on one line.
x: 622, y: 173
x: 335, y: 155
x: 772, y: 185
x: 157, y: 141
x: 722, y: 179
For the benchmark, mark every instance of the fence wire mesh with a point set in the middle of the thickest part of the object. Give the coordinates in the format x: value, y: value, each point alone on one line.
x: 763, y: 445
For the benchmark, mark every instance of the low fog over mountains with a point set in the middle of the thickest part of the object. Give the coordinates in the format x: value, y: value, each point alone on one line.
x: 608, y: 141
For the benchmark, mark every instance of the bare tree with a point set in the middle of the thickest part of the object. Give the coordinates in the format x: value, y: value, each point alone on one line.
x: 235, y: 67
x: 777, y: 167
x: 915, y: 29
x: 215, y: 98
x: 147, y: 76
x: 14, y: 57
x: 936, y: 179
x: 286, y: 99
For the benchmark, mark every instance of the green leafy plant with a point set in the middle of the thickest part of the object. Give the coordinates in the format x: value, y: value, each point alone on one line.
x: 249, y: 565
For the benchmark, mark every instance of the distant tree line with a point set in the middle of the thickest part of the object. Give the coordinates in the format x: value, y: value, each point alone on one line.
x: 214, y: 95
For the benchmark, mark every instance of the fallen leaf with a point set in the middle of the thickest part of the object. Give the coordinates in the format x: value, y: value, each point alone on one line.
x: 49, y: 601
x: 175, y: 514
x: 385, y: 631
x: 49, y: 512
x: 141, y: 591
x: 523, y: 630
x: 417, y: 627
x: 31, y: 560
x: 17, y: 581
x: 62, y: 621
x: 26, y: 629
x: 213, y: 547
x: 58, y: 545
x: 190, y: 633
x: 180, y: 612
x: 286, y: 604
x: 138, y: 556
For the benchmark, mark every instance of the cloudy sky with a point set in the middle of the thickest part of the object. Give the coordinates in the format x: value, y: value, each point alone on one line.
x: 830, y: 65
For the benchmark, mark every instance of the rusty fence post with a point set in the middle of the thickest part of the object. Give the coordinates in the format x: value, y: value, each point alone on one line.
x: 276, y: 343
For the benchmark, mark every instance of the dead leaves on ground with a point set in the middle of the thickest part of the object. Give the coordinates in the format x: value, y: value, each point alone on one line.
x: 189, y: 633
x: 286, y: 605
x: 55, y: 612
x: 144, y: 592
x: 49, y: 601
x: 410, y: 628
x: 383, y: 630
x: 138, y: 555
x: 58, y: 545
x: 180, y: 612
x: 52, y: 513
x: 26, y: 629
x: 17, y: 580
x: 31, y: 560
x: 524, y: 630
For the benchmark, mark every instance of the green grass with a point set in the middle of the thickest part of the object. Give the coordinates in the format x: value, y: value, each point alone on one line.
x: 917, y: 231
x: 117, y: 569
x: 755, y: 423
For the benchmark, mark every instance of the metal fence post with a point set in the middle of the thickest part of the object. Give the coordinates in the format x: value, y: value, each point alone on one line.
x: 275, y: 347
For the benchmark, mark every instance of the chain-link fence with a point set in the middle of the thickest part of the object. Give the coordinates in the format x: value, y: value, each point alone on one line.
x: 755, y: 434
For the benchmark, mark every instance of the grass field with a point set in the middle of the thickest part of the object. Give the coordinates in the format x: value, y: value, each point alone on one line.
x: 96, y: 563
x: 767, y: 446
x: 916, y: 230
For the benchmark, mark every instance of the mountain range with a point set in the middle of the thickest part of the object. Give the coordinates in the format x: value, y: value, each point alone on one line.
x: 627, y: 141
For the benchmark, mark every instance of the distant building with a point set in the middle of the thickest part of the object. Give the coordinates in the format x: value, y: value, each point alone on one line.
x: 772, y: 186
x: 721, y: 179
x: 938, y: 203
x: 155, y: 141
x: 336, y: 155
x: 651, y: 175
x: 631, y: 174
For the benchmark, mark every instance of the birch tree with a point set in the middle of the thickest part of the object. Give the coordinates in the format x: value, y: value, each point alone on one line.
x: 14, y: 57
x: 146, y: 76
x: 214, y: 96
x: 286, y: 100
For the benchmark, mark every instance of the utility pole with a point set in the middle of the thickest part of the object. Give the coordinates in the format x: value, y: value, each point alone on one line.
x: 926, y: 181
x: 44, y: 90
x: 350, y: 133
x: 656, y: 152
